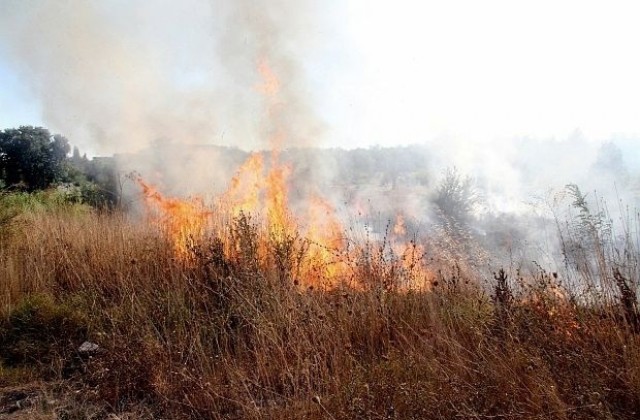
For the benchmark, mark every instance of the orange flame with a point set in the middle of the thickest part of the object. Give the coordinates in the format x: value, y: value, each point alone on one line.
x: 183, y: 221
x: 327, y: 258
x: 243, y: 195
x: 280, y: 222
x: 262, y: 193
x: 411, y: 254
x: 399, y: 228
x: 325, y: 234
x: 270, y: 86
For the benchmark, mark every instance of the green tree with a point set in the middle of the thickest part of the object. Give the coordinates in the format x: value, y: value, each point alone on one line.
x: 31, y: 158
x: 455, y: 200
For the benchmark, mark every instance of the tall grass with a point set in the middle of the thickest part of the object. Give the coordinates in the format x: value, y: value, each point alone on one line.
x: 227, y: 336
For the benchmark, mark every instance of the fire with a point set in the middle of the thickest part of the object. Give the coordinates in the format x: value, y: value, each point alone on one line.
x: 270, y: 86
x: 411, y: 255
x: 326, y: 257
x: 243, y: 195
x: 553, y: 302
x: 261, y: 191
x: 327, y: 261
x: 399, y: 228
x: 183, y: 221
x: 280, y: 222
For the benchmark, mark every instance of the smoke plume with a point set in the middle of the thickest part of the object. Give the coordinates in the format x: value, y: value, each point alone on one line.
x: 118, y: 76
x: 159, y: 84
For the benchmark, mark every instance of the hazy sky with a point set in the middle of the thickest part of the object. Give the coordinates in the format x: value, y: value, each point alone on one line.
x: 361, y: 71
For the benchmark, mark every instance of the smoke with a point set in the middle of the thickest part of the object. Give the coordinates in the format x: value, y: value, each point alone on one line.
x: 117, y: 76
x: 263, y: 48
x: 157, y: 83
x: 154, y: 83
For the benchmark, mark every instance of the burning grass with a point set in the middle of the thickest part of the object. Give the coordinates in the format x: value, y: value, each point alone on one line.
x: 246, y: 327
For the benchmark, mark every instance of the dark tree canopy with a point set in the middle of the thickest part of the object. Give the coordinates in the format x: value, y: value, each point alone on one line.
x: 32, y: 158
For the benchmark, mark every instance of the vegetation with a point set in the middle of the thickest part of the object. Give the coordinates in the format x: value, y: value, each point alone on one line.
x: 231, y: 336
x: 32, y: 159
x: 104, y: 313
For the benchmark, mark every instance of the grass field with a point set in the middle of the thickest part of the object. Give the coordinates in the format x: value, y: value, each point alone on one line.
x: 231, y: 332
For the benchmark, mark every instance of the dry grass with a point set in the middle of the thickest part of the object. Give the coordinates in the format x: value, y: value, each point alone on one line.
x: 225, y: 337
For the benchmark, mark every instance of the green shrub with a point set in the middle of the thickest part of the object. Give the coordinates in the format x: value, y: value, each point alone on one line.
x: 15, y: 204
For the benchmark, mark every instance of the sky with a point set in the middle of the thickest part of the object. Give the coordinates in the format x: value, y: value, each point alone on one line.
x: 114, y: 75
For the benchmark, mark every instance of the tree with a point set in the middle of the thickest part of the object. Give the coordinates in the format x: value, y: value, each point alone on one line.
x: 456, y: 198
x: 31, y: 158
x: 610, y: 163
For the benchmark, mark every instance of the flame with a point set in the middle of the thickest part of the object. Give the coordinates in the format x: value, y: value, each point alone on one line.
x: 411, y: 256
x: 280, y: 223
x: 261, y: 191
x: 183, y: 221
x: 326, y: 258
x: 243, y: 195
x: 399, y: 229
x: 418, y: 275
x: 553, y: 302
x: 270, y: 85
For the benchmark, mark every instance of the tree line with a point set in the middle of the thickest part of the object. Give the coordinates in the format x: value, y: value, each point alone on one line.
x: 32, y: 159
